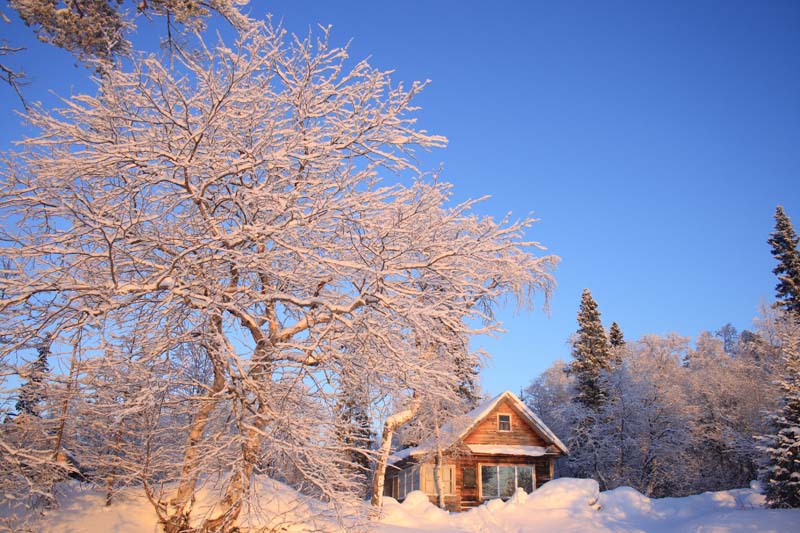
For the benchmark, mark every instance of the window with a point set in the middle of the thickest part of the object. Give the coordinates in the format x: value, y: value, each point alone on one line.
x: 470, y: 476
x: 501, y: 481
x: 448, y: 473
x: 399, y: 484
x: 504, y: 422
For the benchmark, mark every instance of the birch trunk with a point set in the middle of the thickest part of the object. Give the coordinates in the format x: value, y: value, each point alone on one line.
x: 181, y: 503
x: 239, y: 483
x: 389, y: 427
x: 437, y: 468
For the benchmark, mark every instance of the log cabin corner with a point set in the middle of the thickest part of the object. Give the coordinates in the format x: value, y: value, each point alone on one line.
x: 499, y: 446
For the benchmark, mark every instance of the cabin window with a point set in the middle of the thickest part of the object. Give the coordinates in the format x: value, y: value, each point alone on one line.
x: 399, y: 484
x: 470, y: 477
x: 501, y: 481
x: 448, y: 479
x: 504, y: 422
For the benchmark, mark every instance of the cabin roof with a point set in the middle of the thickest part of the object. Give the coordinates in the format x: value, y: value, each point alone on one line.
x: 459, y: 427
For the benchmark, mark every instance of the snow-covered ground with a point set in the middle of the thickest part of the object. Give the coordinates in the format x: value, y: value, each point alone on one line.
x: 576, y: 505
x: 562, y: 505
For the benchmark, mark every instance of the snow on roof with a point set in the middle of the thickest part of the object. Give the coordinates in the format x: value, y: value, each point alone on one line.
x: 507, y: 449
x: 405, y: 453
x: 459, y: 427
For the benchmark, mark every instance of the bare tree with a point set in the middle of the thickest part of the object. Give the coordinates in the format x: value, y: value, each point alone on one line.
x: 231, y: 208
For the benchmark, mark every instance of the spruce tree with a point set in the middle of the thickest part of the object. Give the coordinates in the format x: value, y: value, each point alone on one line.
x: 31, y: 392
x: 784, y: 242
x: 781, y: 477
x: 617, y: 342
x: 468, y: 376
x: 592, y: 354
x: 615, y: 337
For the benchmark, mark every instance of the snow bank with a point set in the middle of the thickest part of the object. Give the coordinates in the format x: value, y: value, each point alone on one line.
x: 82, y: 509
x: 415, y: 509
x: 563, y: 505
x: 560, y: 505
x: 737, y: 510
x: 576, y: 505
x: 566, y: 493
x: 626, y: 503
x: 274, y: 507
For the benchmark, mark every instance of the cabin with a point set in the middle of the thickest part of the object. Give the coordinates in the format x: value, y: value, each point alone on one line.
x: 489, y: 453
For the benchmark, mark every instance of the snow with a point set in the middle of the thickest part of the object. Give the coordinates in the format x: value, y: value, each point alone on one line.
x: 405, y: 453
x: 275, y: 507
x: 577, y: 505
x: 507, y: 449
x: 564, y: 505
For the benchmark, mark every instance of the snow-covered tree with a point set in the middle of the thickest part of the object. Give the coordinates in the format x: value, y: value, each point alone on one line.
x: 642, y: 438
x: 781, y: 475
x: 616, y: 345
x: 97, y: 31
x: 217, y: 227
x: 665, y: 428
x: 548, y: 393
x: 31, y: 392
x: 729, y: 336
x: 728, y: 395
x: 592, y: 357
x: 784, y: 242
x: 591, y: 354
x: 615, y: 336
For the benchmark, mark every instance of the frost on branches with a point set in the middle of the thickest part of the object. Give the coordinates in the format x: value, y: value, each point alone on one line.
x: 218, y: 266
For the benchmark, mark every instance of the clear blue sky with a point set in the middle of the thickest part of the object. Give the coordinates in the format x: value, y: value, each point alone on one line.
x: 653, y: 139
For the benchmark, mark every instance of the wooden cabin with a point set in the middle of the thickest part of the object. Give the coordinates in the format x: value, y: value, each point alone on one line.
x: 499, y: 446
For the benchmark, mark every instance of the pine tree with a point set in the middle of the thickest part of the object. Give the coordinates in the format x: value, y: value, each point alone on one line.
x: 615, y: 336
x: 30, y: 392
x: 468, y: 376
x: 781, y: 477
x: 617, y: 342
x: 592, y: 354
x: 354, y: 430
x: 784, y: 242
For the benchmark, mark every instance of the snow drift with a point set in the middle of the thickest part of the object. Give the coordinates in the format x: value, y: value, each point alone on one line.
x: 577, y: 505
x: 564, y: 505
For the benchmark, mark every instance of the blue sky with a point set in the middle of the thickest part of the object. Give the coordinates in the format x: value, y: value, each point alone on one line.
x: 652, y: 139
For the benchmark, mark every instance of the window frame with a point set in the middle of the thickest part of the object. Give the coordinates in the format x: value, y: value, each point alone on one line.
x: 499, y: 427
x: 482, y: 497
x: 402, y: 479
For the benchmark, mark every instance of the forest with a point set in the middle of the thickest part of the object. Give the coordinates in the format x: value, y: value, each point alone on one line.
x: 669, y: 417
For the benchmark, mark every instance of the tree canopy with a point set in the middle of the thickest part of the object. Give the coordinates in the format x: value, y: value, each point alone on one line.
x: 212, y: 249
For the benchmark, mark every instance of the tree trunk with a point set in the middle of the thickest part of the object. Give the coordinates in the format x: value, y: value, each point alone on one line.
x: 111, y: 478
x: 239, y: 483
x: 437, y: 468
x: 181, y: 503
x: 62, y: 422
x: 389, y: 427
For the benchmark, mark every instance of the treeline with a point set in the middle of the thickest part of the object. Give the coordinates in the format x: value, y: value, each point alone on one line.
x: 669, y: 417
x: 672, y: 419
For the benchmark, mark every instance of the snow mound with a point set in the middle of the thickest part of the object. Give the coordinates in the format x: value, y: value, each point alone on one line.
x: 274, y: 506
x: 563, y: 505
x: 565, y: 493
x: 416, y: 498
x: 415, y: 508
x: 625, y: 503
x: 577, y: 505
x: 712, y: 510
